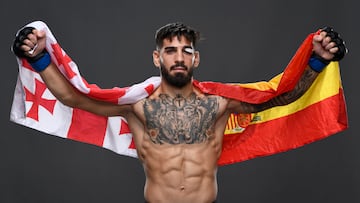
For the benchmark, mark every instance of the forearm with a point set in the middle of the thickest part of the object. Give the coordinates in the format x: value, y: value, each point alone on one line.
x: 304, y: 83
x: 68, y: 95
x: 301, y: 87
x: 58, y: 85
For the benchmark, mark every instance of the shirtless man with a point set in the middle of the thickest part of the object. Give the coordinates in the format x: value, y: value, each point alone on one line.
x: 178, y: 130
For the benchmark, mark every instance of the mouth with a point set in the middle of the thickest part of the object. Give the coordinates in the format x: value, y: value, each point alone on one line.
x: 179, y: 68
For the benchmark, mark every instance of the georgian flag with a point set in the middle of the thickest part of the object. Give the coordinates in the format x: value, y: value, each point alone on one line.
x: 34, y: 106
x: 319, y: 113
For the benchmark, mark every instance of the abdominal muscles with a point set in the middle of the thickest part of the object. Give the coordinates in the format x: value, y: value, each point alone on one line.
x: 180, y: 171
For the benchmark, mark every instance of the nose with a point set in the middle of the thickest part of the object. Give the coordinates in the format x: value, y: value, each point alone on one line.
x: 179, y: 56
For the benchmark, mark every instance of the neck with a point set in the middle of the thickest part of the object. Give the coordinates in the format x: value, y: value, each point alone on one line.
x: 173, y: 91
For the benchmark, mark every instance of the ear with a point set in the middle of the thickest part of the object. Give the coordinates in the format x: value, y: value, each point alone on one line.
x: 196, y: 59
x: 156, y: 58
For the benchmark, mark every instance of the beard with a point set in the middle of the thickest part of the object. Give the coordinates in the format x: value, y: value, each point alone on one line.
x: 178, y: 80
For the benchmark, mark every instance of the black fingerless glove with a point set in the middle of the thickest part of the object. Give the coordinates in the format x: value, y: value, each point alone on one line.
x: 335, y: 37
x: 317, y: 63
x: 38, y: 62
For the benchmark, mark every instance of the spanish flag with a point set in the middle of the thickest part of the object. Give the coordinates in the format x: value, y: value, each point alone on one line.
x: 319, y: 113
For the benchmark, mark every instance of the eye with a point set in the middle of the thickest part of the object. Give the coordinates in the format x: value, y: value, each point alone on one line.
x: 189, y: 50
x: 170, y: 50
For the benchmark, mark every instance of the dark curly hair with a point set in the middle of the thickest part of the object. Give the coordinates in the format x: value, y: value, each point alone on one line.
x: 178, y: 29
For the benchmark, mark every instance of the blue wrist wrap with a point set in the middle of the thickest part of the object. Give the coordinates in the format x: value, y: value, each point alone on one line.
x: 317, y: 64
x: 41, y: 63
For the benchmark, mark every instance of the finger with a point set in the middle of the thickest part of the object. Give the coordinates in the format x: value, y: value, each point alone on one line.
x: 326, y: 41
x: 333, y: 50
x: 323, y: 33
x: 29, y: 43
x: 32, y: 38
x: 26, y: 48
x: 318, y: 38
x: 330, y: 46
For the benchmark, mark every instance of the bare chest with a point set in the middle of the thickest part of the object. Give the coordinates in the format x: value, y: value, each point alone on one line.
x: 180, y: 120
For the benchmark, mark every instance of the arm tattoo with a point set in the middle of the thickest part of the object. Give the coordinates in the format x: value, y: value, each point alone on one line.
x: 301, y: 87
x: 180, y: 120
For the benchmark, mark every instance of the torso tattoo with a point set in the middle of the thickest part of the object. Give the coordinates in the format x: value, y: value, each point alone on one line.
x: 180, y: 120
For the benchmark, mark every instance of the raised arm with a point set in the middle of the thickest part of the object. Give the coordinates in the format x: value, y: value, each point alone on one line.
x: 30, y: 44
x: 327, y: 46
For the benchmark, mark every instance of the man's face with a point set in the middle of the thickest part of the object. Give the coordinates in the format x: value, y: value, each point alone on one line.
x: 176, y: 59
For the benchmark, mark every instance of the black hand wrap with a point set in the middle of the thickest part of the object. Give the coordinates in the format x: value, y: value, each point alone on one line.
x: 19, y: 41
x: 40, y: 61
x: 317, y: 63
x: 335, y: 37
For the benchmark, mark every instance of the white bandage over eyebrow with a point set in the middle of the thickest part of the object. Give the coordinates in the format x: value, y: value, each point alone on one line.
x: 189, y: 50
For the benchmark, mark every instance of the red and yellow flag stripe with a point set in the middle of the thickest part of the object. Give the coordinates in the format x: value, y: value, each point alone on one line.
x: 319, y: 113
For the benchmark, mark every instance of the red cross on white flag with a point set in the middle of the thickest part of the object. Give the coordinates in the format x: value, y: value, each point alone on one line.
x: 34, y: 105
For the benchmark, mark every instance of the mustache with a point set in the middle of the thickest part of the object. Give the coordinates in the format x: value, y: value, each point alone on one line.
x: 179, y: 65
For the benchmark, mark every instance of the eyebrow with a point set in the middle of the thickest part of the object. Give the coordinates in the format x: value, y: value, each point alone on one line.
x: 169, y: 48
x: 173, y: 47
